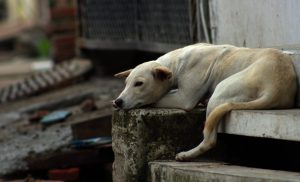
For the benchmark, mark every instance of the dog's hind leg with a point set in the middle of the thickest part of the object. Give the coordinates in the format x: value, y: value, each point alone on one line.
x: 212, y: 121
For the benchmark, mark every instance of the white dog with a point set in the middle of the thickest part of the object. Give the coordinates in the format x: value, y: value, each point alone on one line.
x: 237, y: 78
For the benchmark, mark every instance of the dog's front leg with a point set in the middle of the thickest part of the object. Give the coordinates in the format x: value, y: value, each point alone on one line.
x: 178, y: 99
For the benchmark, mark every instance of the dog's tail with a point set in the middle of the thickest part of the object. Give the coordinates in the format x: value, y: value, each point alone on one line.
x: 217, y: 113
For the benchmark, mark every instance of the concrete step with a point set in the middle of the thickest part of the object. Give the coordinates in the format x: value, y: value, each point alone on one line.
x: 276, y: 124
x: 215, y: 171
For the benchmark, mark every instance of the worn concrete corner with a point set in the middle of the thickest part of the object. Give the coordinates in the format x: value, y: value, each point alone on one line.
x: 144, y: 135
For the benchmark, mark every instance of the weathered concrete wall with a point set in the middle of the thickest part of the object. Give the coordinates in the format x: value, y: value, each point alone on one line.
x: 144, y: 135
x: 256, y: 23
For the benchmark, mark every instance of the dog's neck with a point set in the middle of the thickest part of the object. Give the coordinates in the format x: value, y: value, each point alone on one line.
x: 177, y: 66
x: 209, y: 63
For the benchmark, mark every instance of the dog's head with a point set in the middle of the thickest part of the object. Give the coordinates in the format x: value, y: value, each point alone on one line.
x: 145, y: 84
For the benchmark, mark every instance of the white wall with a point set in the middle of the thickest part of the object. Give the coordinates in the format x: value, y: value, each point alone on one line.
x: 256, y: 23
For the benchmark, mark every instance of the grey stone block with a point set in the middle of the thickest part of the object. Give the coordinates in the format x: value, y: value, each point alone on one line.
x: 144, y: 135
x: 208, y: 171
x: 276, y: 124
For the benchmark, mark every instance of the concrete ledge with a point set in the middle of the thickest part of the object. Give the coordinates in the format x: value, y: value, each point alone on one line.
x: 207, y: 171
x: 277, y: 124
x: 144, y: 135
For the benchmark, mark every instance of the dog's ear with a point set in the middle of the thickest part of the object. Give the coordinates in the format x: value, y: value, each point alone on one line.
x: 162, y: 73
x: 123, y: 74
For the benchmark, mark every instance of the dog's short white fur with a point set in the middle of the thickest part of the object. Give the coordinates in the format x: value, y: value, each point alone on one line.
x: 237, y: 78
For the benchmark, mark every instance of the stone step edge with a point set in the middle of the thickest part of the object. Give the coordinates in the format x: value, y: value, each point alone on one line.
x: 276, y: 124
x: 215, y: 171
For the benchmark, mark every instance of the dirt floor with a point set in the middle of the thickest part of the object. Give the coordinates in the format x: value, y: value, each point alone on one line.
x: 21, y: 139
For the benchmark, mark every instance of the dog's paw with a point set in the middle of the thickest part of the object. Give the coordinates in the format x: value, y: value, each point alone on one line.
x: 182, y: 156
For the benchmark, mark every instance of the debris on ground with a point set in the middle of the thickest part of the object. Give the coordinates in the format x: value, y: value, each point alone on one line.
x: 38, y: 115
x: 71, y: 174
x: 55, y: 116
x: 88, y: 105
x: 86, y: 143
x: 25, y: 145
x: 60, y: 75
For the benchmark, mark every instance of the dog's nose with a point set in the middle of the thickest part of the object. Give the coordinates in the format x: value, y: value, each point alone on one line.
x: 118, y: 103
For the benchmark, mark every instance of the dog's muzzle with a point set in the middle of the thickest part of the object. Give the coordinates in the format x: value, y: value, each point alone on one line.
x: 118, y: 103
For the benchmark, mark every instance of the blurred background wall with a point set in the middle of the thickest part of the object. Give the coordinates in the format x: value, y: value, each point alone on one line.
x: 256, y: 23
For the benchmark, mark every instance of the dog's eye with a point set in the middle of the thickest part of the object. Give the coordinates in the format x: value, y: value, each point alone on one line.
x: 138, y: 83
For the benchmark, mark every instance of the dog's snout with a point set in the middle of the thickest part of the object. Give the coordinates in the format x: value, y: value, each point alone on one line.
x: 118, y: 103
